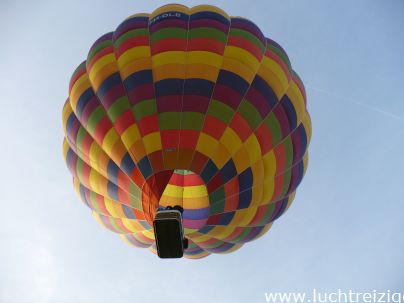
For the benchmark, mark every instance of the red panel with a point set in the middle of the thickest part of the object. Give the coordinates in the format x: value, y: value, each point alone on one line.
x: 124, y: 121
x: 264, y: 138
x: 188, y: 138
x: 130, y: 43
x: 169, y: 44
x: 246, y: 45
x: 213, y: 127
x: 206, y: 44
x: 240, y: 126
x: 148, y: 124
x: 170, y: 138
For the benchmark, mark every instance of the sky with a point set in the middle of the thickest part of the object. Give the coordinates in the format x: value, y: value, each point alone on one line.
x: 345, y: 229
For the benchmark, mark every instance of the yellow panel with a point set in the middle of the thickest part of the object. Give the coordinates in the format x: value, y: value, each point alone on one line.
x: 109, y: 141
x: 276, y: 69
x: 231, y: 140
x: 169, y: 71
x: 196, y: 191
x: 97, y: 183
x: 152, y: 142
x: 297, y: 100
x: 103, y: 74
x: 238, y: 68
x: 272, y: 79
x: 268, y: 191
x: 269, y: 161
x: 130, y: 135
x: 173, y: 190
x: 253, y: 148
x: 202, y: 71
x: 241, y: 160
x: 138, y: 15
x: 78, y: 88
x: 220, y: 156
x: 100, y: 64
x: 170, y: 57
x: 243, y: 216
x: 133, y: 54
x: 242, y: 55
x: 204, y: 57
x: 170, y: 8
x: 195, y: 203
x: 135, y: 66
x: 222, y: 232
x: 206, y: 145
x: 206, y: 7
x: 132, y: 225
x: 114, y: 209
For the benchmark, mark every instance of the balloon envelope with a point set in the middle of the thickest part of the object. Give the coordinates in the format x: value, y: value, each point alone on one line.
x: 190, y: 107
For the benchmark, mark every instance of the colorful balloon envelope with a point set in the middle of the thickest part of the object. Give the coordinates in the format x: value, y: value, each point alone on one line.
x: 190, y: 107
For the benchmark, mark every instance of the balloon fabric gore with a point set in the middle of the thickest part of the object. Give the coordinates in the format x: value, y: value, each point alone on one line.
x: 189, y: 107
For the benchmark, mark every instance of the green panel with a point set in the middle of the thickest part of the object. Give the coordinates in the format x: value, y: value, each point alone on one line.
x: 281, y: 54
x: 242, y: 33
x: 274, y: 128
x: 114, y: 225
x: 93, y: 200
x: 79, y: 167
x: 244, y: 234
x: 217, y: 208
x: 94, y: 119
x: 130, y: 34
x: 169, y: 32
x: 268, y: 213
x: 169, y: 120
x: 288, y: 145
x: 217, y: 201
x: 208, y: 32
x: 220, y: 111
x: 81, y: 134
x: 144, y: 108
x: 250, y: 113
x: 192, y: 120
x: 120, y: 106
x: 287, y: 175
x: 96, y: 49
x: 135, y: 192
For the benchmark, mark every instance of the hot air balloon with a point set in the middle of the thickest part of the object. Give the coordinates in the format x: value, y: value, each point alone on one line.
x: 189, y: 107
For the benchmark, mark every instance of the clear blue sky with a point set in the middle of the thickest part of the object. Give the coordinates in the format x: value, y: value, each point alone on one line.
x: 344, y: 230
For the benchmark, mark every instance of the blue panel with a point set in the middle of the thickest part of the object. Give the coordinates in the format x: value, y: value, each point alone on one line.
x: 225, y: 218
x: 198, y: 87
x: 209, y: 171
x: 228, y: 171
x: 127, y: 164
x: 128, y: 212
x: 84, y: 98
x: 245, y: 179
x: 145, y: 167
x: 169, y: 87
x: 290, y: 111
x: 265, y: 90
x: 210, y: 15
x: 138, y: 78
x: 206, y: 229
x: 113, y: 191
x: 107, y: 84
x: 244, y: 199
x: 233, y: 81
x: 112, y: 171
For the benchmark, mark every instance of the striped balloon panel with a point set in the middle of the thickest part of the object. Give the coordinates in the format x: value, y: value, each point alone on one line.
x: 192, y: 107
